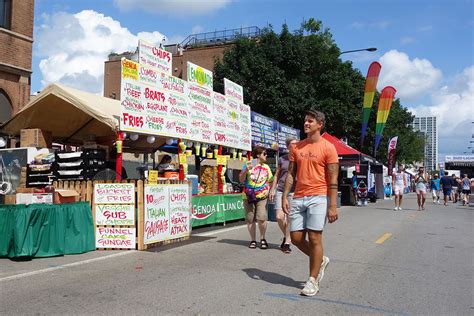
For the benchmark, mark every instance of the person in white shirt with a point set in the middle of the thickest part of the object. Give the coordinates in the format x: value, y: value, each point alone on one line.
x: 398, y: 183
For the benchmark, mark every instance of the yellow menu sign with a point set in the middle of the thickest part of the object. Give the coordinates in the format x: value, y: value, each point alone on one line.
x: 152, y: 176
x: 221, y: 160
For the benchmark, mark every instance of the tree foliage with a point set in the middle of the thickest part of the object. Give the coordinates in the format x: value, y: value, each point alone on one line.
x: 286, y: 74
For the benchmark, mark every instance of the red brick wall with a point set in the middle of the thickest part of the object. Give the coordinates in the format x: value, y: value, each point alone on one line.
x: 16, y: 90
x: 23, y: 17
x: 16, y: 47
x: 15, y: 51
x: 112, y: 79
x: 203, y: 57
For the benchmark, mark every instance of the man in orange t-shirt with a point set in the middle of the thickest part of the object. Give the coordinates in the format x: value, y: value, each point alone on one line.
x: 315, y: 165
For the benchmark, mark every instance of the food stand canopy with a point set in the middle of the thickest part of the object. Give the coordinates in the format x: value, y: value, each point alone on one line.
x: 73, y: 116
x: 347, y: 154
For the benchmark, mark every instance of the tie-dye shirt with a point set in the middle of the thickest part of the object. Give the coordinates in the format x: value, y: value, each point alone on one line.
x: 258, y: 179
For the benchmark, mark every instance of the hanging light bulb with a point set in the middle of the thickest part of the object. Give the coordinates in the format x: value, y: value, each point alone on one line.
x: 190, y: 144
x: 134, y: 137
x: 124, y: 135
x: 150, y: 139
x: 169, y: 141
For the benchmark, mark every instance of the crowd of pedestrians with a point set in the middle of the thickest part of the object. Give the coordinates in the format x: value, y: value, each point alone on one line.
x: 304, y: 192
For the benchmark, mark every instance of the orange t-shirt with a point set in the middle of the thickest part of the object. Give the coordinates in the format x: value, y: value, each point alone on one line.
x: 311, y: 161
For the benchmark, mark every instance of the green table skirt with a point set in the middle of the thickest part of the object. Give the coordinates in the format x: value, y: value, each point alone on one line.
x: 45, y: 230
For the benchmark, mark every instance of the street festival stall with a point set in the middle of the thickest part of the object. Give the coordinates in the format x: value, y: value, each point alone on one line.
x: 141, y: 214
x: 367, y: 168
x: 208, y: 127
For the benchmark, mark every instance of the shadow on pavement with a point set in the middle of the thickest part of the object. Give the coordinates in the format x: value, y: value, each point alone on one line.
x: 246, y: 243
x: 272, y: 277
x: 192, y: 240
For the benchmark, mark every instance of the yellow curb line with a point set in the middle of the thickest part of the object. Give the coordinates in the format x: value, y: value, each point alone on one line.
x: 384, y: 237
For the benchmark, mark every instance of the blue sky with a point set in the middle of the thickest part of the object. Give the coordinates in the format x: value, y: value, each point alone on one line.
x: 426, y: 48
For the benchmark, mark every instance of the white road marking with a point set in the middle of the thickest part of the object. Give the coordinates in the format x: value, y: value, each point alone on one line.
x: 64, y: 266
x: 220, y: 231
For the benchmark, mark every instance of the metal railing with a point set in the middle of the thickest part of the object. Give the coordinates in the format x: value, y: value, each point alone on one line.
x: 217, y: 37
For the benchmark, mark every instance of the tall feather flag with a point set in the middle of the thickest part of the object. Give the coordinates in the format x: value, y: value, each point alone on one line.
x: 369, y: 93
x: 385, y: 103
x: 392, y: 146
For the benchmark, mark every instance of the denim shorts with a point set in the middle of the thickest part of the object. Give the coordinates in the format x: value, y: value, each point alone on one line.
x: 308, y: 212
x: 279, y: 200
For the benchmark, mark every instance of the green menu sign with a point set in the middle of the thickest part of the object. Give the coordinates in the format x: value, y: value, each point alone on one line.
x: 217, y: 209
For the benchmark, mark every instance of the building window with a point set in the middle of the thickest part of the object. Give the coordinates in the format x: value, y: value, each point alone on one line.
x: 5, y: 107
x: 5, y: 13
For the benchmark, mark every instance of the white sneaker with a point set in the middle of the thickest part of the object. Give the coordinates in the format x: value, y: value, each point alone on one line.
x: 399, y: 208
x: 311, y: 287
x: 395, y: 208
x: 324, y: 264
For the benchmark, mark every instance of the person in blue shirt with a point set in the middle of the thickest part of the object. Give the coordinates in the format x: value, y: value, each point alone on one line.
x: 354, y: 186
x: 435, y: 186
x: 447, y: 185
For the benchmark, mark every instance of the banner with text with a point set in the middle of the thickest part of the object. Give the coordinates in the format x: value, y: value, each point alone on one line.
x: 200, y: 76
x: 156, y: 103
x: 264, y: 131
x: 150, y: 55
x: 113, y: 214
x: 118, y: 237
x: 217, y: 209
x: 167, y: 212
x: 285, y: 132
x: 114, y: 193
x: 233, y: 91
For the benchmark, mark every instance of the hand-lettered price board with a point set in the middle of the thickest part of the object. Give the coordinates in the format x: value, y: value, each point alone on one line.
x: 167, y: 212
x: 114, y: 205
x: 108, y: 237
x: 115, y: 214
x: 114, y: 193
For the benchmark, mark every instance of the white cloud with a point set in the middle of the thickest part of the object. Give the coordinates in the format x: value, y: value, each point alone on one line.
x: 381, y: 25
x: 407, y: 40
x: 411, y: 78
x: 197, y: 29
x: 74, y: 47
x: 452, y: 104
x: 174, y: 7
x: 425, y: 28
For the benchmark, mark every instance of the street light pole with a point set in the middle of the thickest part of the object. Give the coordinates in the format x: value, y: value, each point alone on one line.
x: 371, y: 49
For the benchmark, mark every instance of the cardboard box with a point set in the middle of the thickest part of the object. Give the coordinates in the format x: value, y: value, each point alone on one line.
x: 65, y: 196
x: 34, y: 137
x: 10, y: 199
x: 34, y: 198
x: 25, y: 190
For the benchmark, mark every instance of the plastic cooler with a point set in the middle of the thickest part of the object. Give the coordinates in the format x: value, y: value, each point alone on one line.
x: 194, y: 181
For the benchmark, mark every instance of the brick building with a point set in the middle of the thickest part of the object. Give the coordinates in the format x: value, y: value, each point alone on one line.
x: 16, y: 44
x: 200, y: 49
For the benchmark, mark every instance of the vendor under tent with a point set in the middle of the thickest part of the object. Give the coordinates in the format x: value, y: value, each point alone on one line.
x: 73, y: 117
x: 368, y: 170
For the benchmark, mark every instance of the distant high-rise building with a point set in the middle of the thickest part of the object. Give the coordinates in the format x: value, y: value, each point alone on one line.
x: 427, y: 126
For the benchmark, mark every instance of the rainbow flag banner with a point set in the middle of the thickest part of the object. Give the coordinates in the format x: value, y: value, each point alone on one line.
x: 385, y: 103
x: 369, y: 94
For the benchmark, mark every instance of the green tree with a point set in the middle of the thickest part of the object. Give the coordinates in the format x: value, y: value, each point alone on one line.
x: 286, y: 74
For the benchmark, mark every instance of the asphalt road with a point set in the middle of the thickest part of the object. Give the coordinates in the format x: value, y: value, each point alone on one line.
x: 425, y: 267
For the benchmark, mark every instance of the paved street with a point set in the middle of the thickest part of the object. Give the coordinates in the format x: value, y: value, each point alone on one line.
x: 425, y: 267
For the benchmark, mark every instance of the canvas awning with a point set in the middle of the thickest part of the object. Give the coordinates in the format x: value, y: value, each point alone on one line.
x: 73, y: 116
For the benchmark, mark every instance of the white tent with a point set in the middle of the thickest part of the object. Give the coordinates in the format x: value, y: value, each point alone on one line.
x: 73, y: 116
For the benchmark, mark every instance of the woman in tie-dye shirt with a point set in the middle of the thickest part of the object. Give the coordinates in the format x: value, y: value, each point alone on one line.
x: 257, y: 178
